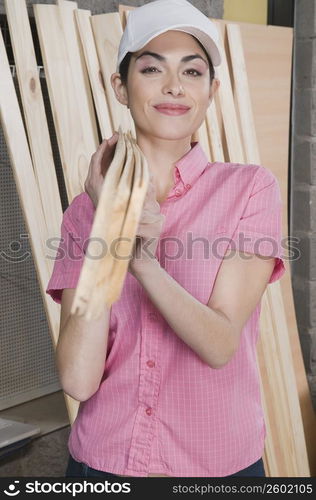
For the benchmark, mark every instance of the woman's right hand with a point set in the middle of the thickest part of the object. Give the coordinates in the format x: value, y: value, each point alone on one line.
x: 99, y: 164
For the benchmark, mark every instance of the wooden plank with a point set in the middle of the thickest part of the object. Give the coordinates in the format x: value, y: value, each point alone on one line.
x: 115, y: 223
x: 107, y: 30
x: 215, y: 141
x: 93, y: 279
x: 242, y: 92
x: 94, y: 71
x: 268, y: 51
x: 30, y: 200
x: 123, y: 11
x: 227, y: 106
x: 270, y: 378
x: 34, y: 113
x: 79, y: 72
x: 73, y: 140
x: 201, y: 135
x: 130, y: 224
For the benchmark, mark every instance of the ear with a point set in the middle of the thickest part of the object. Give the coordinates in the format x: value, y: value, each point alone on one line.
x: 214, y: 88
x: 119, y: 89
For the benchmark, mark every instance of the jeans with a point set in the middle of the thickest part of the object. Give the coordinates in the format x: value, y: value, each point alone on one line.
x: 77, y: 469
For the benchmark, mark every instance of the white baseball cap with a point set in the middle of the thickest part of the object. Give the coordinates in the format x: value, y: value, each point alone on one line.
x: 154, y: 18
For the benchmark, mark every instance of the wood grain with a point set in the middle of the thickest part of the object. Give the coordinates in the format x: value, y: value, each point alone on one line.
x: 130, y: 225
x: 34, y: 113
x: 75, y: 144
x: 79, y: 72
x: 115, y: 222
x: 98, y: 260
x: 83, y: 19
x: 227, y: 106
x: 107, y: 30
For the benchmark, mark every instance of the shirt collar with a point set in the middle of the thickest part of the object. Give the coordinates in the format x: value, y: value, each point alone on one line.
x: 191, y: 165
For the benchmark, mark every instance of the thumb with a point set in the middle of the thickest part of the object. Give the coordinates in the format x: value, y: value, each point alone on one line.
x: 113, y: 138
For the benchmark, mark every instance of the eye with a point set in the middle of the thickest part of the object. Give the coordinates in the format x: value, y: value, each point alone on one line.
x: 150, y: 68
x: 197, y: 72
x: 146, y: 70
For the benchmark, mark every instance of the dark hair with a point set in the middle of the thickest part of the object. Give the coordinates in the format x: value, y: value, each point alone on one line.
x: 123, y: 68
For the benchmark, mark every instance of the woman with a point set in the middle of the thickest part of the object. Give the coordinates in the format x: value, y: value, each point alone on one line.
x: 167, y: 378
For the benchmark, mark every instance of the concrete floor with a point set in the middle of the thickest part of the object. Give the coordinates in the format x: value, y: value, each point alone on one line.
x: 47, y: 454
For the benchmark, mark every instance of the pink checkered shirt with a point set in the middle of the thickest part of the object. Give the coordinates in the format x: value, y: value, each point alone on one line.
x: 159, y: 407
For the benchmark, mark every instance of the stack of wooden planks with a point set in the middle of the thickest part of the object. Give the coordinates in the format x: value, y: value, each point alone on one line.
x: 118, y: 210
x: 79, y: 54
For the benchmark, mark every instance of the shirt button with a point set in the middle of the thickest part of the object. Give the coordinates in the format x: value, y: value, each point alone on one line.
x: 151, y: 363
x: 149, y: 411
x: 188, y: 186
x: 152, y: 317
x: 178, y: 192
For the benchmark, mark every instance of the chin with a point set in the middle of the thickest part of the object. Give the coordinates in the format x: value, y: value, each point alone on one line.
x: 174, y: 136
x: 166, y: 131
x: 170, y: 131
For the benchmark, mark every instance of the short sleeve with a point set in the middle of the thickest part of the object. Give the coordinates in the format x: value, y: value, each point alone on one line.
x: 75, y: 229
x: 259, y: 230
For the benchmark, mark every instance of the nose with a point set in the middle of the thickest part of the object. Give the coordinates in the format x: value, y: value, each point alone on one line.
x: 173, y: 85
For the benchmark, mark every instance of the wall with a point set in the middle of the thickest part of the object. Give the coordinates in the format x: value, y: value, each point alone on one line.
x: 247, y: 11
x: 303, y: 188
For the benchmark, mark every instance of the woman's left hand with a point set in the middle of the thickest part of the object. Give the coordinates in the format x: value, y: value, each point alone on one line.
x: 148, y: 232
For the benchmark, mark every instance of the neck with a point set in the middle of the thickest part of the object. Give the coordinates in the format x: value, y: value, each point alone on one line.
x: 161, y: 155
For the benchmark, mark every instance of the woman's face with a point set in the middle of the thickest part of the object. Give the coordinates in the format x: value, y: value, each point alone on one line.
x: 167, y: 79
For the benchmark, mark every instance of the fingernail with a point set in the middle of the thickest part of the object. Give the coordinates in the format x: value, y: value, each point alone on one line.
x: 113, y: 137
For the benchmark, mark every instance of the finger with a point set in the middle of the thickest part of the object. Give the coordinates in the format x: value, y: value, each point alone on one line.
x: 107, y: 157
x: 113, y: 139
x: 103, y: 156
x: 106, y: 145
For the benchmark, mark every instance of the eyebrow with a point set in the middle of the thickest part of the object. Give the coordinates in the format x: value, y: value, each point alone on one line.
x: 162, y: 58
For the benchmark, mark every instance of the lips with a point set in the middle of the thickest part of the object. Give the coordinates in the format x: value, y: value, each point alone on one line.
x: 171, y: 109
x: 179, y: 107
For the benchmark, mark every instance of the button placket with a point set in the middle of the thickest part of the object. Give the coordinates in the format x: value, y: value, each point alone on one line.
x: 145, y: 421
